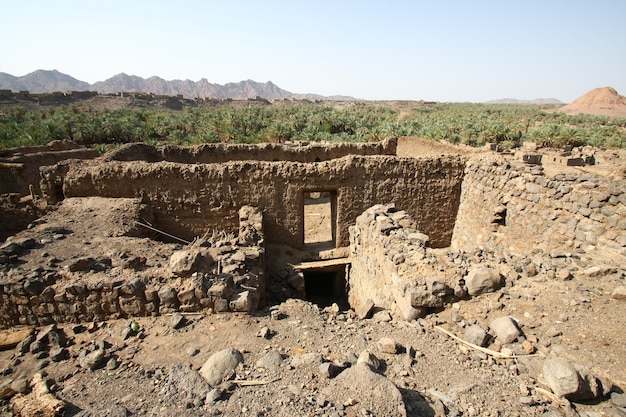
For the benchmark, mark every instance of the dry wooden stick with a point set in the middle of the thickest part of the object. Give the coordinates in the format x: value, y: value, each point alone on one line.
x: 154, y: 229
x: 561, y: 402
x: 248, y: 383
x: 482, y: 349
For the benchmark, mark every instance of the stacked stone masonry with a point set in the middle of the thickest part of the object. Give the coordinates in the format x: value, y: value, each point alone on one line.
x: 515, y: 208
x: 227, y: 277
x: 394, y: 267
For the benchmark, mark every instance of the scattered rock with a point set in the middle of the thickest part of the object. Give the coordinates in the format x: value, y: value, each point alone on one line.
x: 265, y: 333
x: 21, y: 338
x: 221, y: 366
x: 192, y: 351
x: 476, y: 335
x: 388, y: 345
x: 328, y: 370
x: 177, y: 321
x: 58, y: 354
x: 483, y: 280
x: 569, y: 380
x: 369, y: 359
x: 365, y: 310
x: 81, y: 264
x: 91, y: 360
x: 596, y: 271
x: 505, y: 329
x: 564, y: 275
x: 374, y: 392
x: 272, y: 360
x: 306, y: 359
x: 619, y: 293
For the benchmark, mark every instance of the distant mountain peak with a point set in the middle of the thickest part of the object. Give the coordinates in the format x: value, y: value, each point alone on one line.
x: 48, y: 81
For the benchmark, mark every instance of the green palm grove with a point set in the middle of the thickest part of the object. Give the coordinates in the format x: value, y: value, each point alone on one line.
x: 459, y: 123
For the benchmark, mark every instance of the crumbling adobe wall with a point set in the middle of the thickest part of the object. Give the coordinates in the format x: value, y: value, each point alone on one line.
x: 19, y: 170
x: 513, y: 208
x: 223, y: 152
x: 189, y: 199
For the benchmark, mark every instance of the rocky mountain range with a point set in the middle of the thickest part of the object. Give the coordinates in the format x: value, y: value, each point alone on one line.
x: 48, y: 81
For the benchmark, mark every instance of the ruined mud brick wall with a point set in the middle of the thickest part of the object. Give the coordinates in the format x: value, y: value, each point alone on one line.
x: 393, y: 266
x: 189, y: 199
x: 19, y: 170
x: 230, y: 277
x: 513, y: 208
x: 223, y: 152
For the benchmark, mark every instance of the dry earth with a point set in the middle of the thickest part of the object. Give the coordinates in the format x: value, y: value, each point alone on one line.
x: 291, y: 352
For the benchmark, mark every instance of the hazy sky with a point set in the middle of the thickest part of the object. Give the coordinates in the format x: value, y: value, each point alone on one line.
x: 466, y: 50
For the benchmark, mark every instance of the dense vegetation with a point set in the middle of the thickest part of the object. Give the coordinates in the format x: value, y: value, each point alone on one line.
x: 473, y: 124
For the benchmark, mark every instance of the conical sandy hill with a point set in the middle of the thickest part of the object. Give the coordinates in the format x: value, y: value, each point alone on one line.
x: 600, y: 101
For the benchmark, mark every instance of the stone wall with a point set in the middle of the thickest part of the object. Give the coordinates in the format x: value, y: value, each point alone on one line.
x: 513, y: 208
x: 228, y: 276
x: 393, y: 266
x: 189, y: 199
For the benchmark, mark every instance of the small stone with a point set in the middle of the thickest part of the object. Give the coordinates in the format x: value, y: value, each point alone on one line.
x: 388, y: 345
x: 58, y: 354
x: 277, y: 315
x: 382, y: 316
x: 214, y: 396
x: 20, y: 385
x: 91, y: 360
x: 618, y: 399
x: 365, y: 310
x: 476, y: 335
x: 112, y: 364
x: 328, y: 370
x: 596, y: 271
x: 564, y: 275
x: 482, y: 280
x: 126, y: 333
x: 368, y: 358
x: 270, y: 361
x: 528, y: 347
x: 265, y: 333
x: 619, y: 293
x: 177, y: 320
x: 192, y: 351
x: 505, y: 329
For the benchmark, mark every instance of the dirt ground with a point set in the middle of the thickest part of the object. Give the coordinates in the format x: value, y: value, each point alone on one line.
x: 151, y: 370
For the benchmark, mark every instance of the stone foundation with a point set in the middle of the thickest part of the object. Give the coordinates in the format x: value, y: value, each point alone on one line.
x: 229, y: 276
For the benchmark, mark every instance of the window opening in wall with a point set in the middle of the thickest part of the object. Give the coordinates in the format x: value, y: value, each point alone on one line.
x: 325, y: 287
x: 320, y: 219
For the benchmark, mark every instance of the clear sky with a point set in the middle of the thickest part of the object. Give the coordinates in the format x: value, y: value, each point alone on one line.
x: 465, y: 50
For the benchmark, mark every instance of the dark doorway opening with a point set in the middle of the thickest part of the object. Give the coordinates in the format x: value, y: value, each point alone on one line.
x: 327, y: 286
